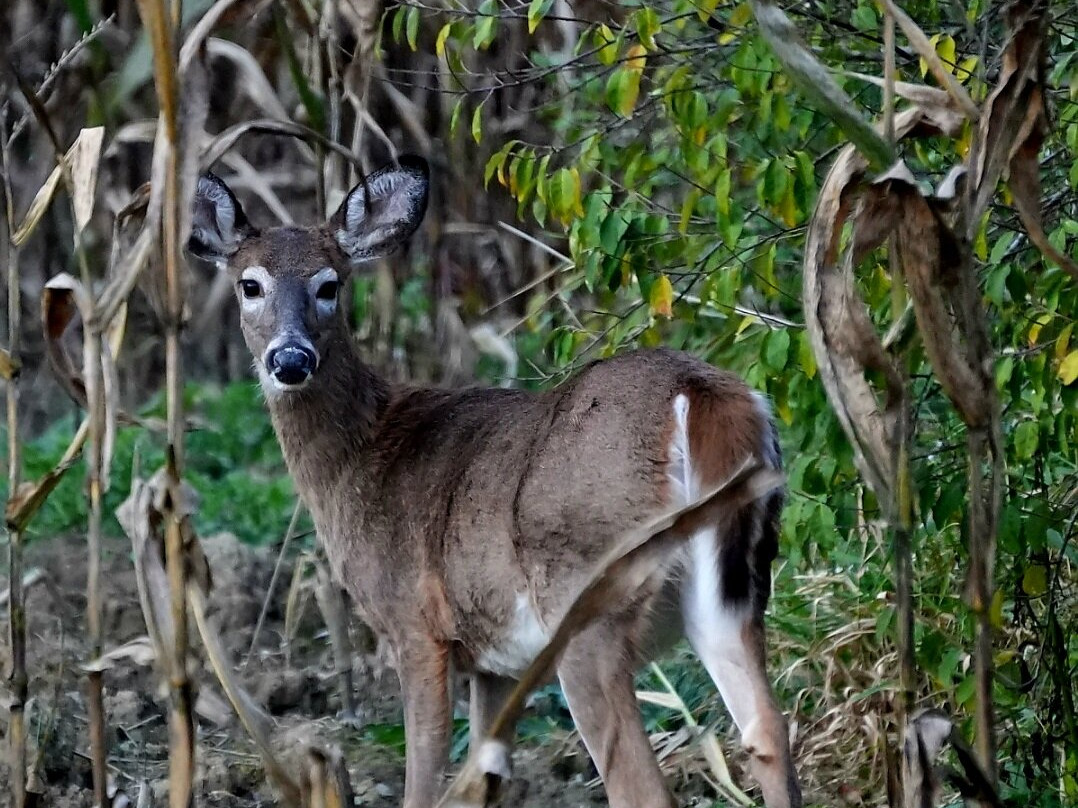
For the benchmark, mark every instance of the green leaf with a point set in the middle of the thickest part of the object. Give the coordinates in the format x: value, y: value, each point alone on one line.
x: 805, y: 357
x: 607, y: 45
x: 411, y: 28
x: 477, y: 123
x: 648, y: 26
x: 777, y: 348
x: 1026, y: 438
x: 537, y: 9
x: 454, y: 119
x: 722, y: 193
x: 496, y: 161
x: 622, y: 91
x: 864, y: 18
x: 486, y: 25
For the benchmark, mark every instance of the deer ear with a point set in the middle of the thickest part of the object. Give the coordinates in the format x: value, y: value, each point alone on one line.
x: 218, y: 224
x: 379, y: 215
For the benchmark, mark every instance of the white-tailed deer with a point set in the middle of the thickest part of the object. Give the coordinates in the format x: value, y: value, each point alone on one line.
x: 463, y: 522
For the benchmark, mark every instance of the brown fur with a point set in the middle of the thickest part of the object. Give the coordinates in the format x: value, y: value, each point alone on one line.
x: 440, y: 509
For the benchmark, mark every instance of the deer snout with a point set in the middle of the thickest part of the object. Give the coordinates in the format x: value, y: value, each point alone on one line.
x: 291, y: 364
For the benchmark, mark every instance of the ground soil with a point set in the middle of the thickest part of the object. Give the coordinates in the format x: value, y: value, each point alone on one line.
x: 291, y: 676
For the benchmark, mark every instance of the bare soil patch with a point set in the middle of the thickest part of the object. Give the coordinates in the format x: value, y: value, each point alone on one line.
x: 292, y: 678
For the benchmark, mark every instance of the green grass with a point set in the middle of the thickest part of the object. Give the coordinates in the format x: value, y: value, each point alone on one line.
x: 232, y: 457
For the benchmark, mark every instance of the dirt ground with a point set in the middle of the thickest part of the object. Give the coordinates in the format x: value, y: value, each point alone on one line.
x: 292, y: 677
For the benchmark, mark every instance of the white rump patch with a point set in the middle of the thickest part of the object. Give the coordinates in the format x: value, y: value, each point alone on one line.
x: 523, y: 641
x: 679, y: 472
x: 713, y: 629
x: 767, y: 451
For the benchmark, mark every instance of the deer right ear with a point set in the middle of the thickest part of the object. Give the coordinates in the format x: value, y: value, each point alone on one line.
x: 378, y: 215
x: 218, y: 224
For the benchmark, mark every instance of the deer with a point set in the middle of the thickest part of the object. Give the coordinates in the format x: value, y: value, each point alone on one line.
x: 462, y: 521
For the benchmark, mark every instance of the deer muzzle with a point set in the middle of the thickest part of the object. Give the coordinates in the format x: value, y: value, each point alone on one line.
x: 292, y: 363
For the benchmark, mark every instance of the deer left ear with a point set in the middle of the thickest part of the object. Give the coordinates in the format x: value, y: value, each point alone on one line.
x: 218, y: 224
x: 378, y: 216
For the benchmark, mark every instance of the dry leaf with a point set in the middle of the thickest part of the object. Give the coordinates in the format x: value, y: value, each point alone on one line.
x: 938, y: 104
x: 29, y: 497
x: 65, y: 307
x: 929, y: 254
x: 142, y: 518
x: 1009, y: 107
x: 324, y: 781
x: 138, y: 651
x: 83, y: 160
x: 37, y: 208
x: 9, y: 366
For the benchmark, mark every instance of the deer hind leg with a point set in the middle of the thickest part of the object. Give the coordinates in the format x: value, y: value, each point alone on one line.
x: 723, y: 600
x: 596, y: 676
x: 488, y: 694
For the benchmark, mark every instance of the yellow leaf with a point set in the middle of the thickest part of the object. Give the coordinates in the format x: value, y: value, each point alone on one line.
x: 784, y: 412
x: 741, y: 16
x: 9, y: 366
x: 636, y: 58
x: 1063, y: 342
x: 661, y: 298
x: 788, y: 209
x: 1035, y: 581
x: 966, y: 67
x: 995, y: 611
x: 443, y: 35
x: 607, y: 44
x: 578, y: 206
x: 1035, y: 329
x: 1068, y: 368
x: 946, y: 51
x: 934, y: 42
x: 705, y: 8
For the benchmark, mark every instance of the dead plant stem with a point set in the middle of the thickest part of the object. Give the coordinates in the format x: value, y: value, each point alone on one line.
x: 163, y: 31
x: 17, y: 678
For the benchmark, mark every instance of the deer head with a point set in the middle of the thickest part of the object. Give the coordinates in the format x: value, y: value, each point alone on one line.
x: 288, y: 279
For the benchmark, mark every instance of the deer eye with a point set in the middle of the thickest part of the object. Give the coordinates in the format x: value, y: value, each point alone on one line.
x: 251, y: 289
x: 328, y: 290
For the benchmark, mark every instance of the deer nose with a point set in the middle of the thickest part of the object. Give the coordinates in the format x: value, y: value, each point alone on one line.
x: 291, y: 364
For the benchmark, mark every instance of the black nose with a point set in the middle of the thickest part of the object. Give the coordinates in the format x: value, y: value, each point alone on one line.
x: 290, y: 364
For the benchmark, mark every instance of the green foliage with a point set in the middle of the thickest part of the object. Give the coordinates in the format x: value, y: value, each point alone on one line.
x: 234, y: 463
x: 681, y: 167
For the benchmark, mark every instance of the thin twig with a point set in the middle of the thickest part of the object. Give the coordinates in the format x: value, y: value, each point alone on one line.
x: 273, y: 582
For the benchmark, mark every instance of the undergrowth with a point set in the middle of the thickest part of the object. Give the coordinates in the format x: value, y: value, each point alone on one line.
x: 234, y: 463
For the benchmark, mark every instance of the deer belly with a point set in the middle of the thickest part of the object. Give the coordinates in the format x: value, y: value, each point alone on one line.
x: 520, y: 643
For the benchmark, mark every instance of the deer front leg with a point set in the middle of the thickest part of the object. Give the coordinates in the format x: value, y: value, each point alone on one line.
x: 596, y: 676
x: 488, y: 694
x: 424, y: 673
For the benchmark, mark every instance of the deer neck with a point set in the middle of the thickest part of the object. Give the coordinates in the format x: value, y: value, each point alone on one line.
x: 325, y: 429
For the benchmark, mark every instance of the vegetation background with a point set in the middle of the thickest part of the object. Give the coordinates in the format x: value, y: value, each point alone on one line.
x: 608, y: 175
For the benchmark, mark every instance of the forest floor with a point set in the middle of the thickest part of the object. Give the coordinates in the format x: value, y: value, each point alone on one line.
x: 292, y: 677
